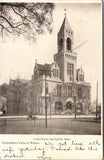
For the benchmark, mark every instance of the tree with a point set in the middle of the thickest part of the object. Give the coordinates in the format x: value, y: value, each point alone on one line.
x: 3, y: 89
x: 27, y: 19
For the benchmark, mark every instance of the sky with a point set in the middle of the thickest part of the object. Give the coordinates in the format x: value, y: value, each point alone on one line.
x: 18, y: 55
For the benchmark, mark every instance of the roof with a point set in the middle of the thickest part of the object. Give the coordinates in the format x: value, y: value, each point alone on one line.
x: 65, y: 25
x: 43, y: 67
x: 80, y: 70
x: 19, y: 81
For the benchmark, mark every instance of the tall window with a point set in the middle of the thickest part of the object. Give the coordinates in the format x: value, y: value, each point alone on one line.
x: 70, y: 69
x: 81, y: 77
x: 46, y: 88
x: 55, y: 73
x: 79, y: 92
x: 68, y: 44
x: 69, y: 91
x: 88, y: 93
x: 59, y: 90
x: 60, y: 44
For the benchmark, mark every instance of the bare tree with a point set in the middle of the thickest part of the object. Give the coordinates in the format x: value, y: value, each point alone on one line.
x: 27, y: 19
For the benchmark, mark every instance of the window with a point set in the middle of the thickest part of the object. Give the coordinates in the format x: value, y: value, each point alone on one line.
x: 81, y: 77
x: 58, y: 105
x: 46, y: 88
x: 69, y: 91
x: 68, y: 44
x: 88, y: 93
x: 61, y: 44
x: 79, y: 107
x: 79, y: 92
x: 70, y: 69
x: 59, y: 90
x: 55, y: 73
x: 71, y: 78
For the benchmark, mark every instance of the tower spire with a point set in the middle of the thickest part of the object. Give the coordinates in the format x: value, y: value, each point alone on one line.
x: 35, y: 61
x: 65, y: 12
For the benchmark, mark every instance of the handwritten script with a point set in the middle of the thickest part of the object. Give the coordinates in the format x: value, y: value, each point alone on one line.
x: 43, y: 147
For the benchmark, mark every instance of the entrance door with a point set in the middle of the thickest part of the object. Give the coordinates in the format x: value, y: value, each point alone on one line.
x: 69, y: 105
x: 80, y: 107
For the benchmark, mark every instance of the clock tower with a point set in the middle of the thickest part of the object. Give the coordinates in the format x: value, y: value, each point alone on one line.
x: 65, y: 57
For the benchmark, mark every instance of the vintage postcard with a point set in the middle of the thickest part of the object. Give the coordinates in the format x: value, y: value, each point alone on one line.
x: 51, y: 80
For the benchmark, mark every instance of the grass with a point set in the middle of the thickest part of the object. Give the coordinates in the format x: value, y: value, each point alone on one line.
x: 55, y: 126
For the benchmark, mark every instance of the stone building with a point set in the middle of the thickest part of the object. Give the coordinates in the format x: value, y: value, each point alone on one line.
x: 65, y: 84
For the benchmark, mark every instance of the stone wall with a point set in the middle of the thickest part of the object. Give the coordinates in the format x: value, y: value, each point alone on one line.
x: 30, y: 98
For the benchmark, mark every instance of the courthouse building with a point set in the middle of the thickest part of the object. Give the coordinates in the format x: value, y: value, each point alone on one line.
x: 65, y: 84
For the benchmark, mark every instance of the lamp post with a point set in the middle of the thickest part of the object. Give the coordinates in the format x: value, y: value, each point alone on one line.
x: 50, y: 104
x: 45, y: 72
x: 74, y: 97
x: 96, y: 100
x: 75, y: 106
x: 45, y: 103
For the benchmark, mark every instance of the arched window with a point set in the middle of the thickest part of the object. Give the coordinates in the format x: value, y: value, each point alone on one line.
x: 79, y: 107
x: 68, y: 44
x: 69, y: 105
x: 58, y: 105
x: 61, y: 44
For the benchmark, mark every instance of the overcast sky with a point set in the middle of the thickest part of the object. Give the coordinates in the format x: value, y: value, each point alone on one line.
x: 17, y: 57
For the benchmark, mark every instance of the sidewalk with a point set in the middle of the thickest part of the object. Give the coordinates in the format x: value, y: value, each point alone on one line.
x: 48, y: 116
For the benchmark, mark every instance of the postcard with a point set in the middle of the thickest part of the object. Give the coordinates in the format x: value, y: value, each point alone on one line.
x: 51, y: 80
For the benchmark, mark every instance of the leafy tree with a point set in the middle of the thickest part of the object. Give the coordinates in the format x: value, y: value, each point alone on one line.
x: 3, y: 89
x: 27, y: 19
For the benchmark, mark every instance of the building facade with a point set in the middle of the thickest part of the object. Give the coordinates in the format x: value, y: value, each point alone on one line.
x: 62, y: 82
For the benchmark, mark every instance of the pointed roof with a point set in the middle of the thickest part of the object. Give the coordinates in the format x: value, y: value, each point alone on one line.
x: 65, y: 25
x: 43, y: 67
x: 80, y: 70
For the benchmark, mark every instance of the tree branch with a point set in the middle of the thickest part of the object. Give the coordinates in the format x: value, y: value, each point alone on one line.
x: 27, y: 18
x: 11, y: 24
x: 4, y: 28
x: 7, y: 21
x: 16, y: 12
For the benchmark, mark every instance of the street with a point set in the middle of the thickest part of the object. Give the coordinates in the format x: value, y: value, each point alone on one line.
x: 22, y: 125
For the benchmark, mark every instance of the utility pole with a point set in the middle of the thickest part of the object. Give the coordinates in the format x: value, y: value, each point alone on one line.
x: 45, y: 72
x: 96, y: 100
x: 50, y: 104
x: 45, y: 103
x: 75, y: 106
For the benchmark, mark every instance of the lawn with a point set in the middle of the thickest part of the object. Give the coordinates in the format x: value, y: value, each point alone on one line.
x: 55, y: 126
